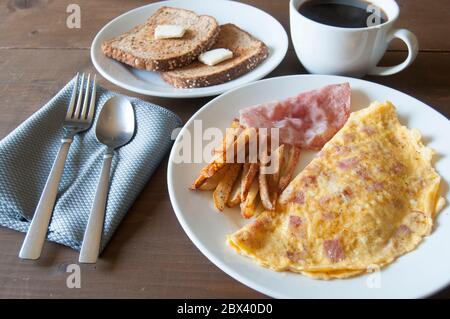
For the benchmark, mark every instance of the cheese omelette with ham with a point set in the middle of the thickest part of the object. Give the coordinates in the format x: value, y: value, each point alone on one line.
x: 370, y: 196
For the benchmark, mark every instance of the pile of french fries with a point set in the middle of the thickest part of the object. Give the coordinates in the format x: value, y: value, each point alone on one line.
x: 246, y: 183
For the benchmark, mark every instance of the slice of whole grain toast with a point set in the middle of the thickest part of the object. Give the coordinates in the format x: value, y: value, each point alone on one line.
x: 248, y: 52
x: 139, y: 48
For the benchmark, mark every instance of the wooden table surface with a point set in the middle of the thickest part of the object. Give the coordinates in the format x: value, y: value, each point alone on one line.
x: 150, y: 256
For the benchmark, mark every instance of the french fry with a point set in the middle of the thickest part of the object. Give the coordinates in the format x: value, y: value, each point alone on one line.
x: 206, y: 173
x: 235, y: 196
x: 248, y: 175
x: 220, y: 159
x: 278, y: 161
x: 230, y: 136
x: 268, y: 181
x: 264, y: 192
x: 248, y: 206
x: 223, y: 189
x: 240, y: 145
x: 262, y: 180
x: 211, y: 183
x: 289, y: 168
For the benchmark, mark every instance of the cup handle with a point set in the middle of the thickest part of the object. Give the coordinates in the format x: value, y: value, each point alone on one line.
x: 413, y: 48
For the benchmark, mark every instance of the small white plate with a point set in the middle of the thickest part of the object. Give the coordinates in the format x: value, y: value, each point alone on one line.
x: 258, y: 23
x: 417, y: 274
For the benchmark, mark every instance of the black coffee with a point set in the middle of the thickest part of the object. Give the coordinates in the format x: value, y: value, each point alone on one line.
x: 343, y: 13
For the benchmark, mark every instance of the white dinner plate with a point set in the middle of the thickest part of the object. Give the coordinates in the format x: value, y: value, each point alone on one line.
x: 416, y: 274
x: 255, y: 21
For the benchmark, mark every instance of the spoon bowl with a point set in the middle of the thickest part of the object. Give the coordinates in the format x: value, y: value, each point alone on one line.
x: 115, y: 125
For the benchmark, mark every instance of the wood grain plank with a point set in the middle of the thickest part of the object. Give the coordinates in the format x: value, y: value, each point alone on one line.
x: 427, y: 79
x: 42, y: 23
x: 147, y: 256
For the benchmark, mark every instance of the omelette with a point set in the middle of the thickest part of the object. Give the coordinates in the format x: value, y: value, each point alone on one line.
x: 369, y: 196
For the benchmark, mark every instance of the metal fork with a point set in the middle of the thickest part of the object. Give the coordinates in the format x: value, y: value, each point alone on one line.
x: 78, y: 119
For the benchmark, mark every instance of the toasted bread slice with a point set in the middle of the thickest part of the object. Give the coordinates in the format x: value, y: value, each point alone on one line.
x: 139, y: 48
x: 248, y: 52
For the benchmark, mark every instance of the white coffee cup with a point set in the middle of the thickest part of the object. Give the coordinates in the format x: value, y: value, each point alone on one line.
x: 325, y: 49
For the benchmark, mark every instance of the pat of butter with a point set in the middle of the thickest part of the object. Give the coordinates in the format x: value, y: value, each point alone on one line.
x: 169, y: 31
x: 215, y: 56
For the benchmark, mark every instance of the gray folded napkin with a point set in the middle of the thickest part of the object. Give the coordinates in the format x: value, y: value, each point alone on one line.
x: 27, y: 154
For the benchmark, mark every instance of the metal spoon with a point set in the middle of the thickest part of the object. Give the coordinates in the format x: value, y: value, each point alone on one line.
x: 115, y: 128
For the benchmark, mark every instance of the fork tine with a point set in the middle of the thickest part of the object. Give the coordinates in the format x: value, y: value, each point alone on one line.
x: 80, y: 97
x: 86, y: 98
x: 72, y: 99
x: 93, y: 98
